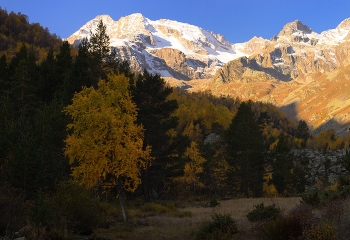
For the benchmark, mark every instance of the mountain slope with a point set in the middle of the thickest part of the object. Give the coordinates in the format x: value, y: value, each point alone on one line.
x: 295, y: 70
x: 171, y: 48
x: 303, y: 72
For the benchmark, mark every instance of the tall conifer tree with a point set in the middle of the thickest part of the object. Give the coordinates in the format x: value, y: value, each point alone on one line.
x: 246, y: 152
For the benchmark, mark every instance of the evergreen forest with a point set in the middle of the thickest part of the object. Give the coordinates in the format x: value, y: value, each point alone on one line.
x: 82, y: 138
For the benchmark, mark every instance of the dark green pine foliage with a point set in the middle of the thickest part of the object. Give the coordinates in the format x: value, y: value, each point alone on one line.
x: 99, y: 50
x: 32, y: 125
x: 282, y: 165
x: 48, y: 84
x: 64, y: 65
x: 303, y: 132
x: 150, y: 95
x: 154, y: 113
x: 246, y: 152
x: 4, y: 80
x: 345, y: 160
x: 286, y: 177
x: 34, y: 159
x: 80, y: 73
x: 23, y: 73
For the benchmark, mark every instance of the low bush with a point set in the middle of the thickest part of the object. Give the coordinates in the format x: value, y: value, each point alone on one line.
x: 287, y: 227
x: 262, y: 212
x: 157, y: 208
x: 40, y: 212
x: 222, y: 226
x: 74, y: 207
x: 212, y: 203
x: 165, y: 208
x: 319, y: 199
x: 312, y: 199
x: 280, y: 228
x: 12, y: 210
x: 319, y: 231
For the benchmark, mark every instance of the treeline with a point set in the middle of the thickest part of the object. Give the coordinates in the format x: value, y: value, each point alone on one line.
x: 15, y: 29
x: 88, y: 119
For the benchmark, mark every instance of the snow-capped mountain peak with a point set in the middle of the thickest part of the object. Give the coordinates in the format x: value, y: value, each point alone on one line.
x: 155, y: 44
x: 344, y: 24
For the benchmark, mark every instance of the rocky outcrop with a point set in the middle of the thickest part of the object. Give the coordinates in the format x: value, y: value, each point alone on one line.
x: 322, y: 168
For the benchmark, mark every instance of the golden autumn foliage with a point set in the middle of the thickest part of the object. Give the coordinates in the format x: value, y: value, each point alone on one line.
x: 193, y: 168
x: 105, y: 144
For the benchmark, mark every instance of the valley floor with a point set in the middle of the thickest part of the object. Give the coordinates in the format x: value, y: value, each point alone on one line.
x: 163, y: 226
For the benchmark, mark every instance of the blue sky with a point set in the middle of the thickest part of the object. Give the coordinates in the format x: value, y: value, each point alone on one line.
x: 237, y: 20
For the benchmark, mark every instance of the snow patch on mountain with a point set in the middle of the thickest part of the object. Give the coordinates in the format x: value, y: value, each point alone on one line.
x: 146, y: 36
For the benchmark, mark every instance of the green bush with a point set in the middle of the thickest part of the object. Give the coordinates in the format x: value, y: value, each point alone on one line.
x: 343, y: 181
x: 280, y: 228
x: 212, y: 203
x: 320, y: 231
x: 40, y: 212
x: 222, y: 226
x: 287, y: 227
x: 262, y: 212
x: 164, y: 208
x: 312, y: 199
x: 12, y: 209
x: 74, y: 207
x: 157, y: 208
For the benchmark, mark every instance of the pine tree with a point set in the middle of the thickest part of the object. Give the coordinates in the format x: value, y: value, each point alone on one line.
x: 154, y: 113
x: 246, y: 151
x: 48, y: 77
x: 23, y: 73
x: 303, y: 132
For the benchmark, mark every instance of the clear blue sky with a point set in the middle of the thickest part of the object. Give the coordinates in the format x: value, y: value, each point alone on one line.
x: 237, y: 20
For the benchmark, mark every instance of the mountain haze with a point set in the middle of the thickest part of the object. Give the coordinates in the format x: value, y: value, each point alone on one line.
x: 303, y: 72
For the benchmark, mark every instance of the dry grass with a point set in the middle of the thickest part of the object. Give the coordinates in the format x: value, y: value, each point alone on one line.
x: 168, y: 226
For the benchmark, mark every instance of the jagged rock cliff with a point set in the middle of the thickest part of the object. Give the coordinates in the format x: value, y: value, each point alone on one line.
x: 170, y: 48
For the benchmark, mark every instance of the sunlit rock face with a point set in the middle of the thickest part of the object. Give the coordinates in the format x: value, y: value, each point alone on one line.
x: 170, y: 48
x: 305, y: 73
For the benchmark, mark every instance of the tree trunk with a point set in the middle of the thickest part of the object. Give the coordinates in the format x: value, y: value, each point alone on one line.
x: 122, y: 204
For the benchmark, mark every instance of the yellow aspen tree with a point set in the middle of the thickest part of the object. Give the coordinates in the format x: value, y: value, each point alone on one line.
x: 105, y: 146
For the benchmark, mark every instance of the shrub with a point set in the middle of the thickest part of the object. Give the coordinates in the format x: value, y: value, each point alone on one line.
x: 312, y: 199
x: 183, y: 214
x: 165, y: 208
x: 40, y: 212
x: 156, y: 208
x: 74, y: 207
x: 222, y: 226
x: 12, y: 209
x: 280, y: 228
x: 319, y: 231
x: 287, y: 227
x: 343, y: 181
x: 212, y: 203
x: 262, y: 212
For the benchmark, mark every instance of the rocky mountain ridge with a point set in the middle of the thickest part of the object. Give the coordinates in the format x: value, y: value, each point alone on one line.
x: 170, y: 48
x: 304, y: 73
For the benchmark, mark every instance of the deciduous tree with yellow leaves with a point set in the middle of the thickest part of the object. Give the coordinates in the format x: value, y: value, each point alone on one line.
x: 105, y: 146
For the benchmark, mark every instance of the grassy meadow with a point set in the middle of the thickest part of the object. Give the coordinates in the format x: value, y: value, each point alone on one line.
x: 181, y: 220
